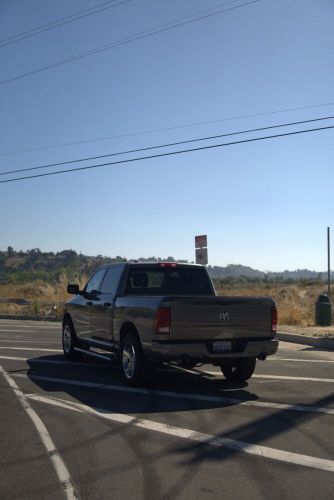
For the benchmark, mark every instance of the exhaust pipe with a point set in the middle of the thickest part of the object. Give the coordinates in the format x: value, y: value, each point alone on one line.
x: 184, y: 360
x: 262, y: 356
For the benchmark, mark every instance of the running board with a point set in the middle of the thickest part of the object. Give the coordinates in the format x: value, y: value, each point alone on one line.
x: 95, y: 354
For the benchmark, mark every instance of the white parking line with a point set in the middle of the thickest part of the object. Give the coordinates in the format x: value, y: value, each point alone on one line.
x: 29, y: 329
x: 216, y: 373
x: 30, y: 333
x: 302, y: 360
x: 54, y: 402
x: 14, y: 341
x: 209, y: 439
x: 28, y: 322
x: 25, y: 333
x: 55, y: 457
x: 180, y: 395
x: 55, y: 361
x: 30, y: 349
x: 304, y: 379
x: 284, y: 377
x: 274, y: 377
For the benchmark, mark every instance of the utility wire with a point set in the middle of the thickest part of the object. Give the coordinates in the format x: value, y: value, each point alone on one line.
x: 148, y: 148
x: 139, y: 36
x: 165, y: 129
x: 74, y: 17
x: 60, y: 22
x: 171, y: 153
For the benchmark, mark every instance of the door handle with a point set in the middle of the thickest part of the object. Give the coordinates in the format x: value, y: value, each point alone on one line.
x: 107, y: 304
x: 89, y: 303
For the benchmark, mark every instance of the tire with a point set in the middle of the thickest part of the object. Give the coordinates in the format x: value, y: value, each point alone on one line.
x: 133, y: 364
x: 239, y: 370
x: 69, y: 339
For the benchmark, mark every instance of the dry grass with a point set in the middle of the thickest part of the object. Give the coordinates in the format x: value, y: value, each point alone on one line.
x: 295, y: 302
x: 37, y: 293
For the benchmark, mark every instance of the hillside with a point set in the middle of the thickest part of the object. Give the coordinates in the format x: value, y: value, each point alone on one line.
x: 237, y: 271
x: 31, y: 265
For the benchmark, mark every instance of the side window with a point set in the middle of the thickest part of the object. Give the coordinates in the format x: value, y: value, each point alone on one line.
x: 111, y: 280
x: 95, y: 281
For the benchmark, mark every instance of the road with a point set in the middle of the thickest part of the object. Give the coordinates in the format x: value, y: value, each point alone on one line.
x: 73, y: 430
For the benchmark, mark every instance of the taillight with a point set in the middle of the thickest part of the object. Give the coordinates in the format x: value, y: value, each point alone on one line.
x: 167, y: 264
x: 274, y: 319
x: 162, y: 321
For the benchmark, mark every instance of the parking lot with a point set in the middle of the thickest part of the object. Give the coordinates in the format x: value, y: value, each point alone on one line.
x: 73, y: 429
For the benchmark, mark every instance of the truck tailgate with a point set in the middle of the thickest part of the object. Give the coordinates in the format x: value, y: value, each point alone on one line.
x: 221, y: 318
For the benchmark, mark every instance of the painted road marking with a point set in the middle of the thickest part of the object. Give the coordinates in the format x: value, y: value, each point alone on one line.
x: 54, y: 401
x: 55, y: 361
x: 302, y: 360
x: 28, y: 322
x: 216, y: 373
x: 209, y: 439
x: 55, y: 457
x: 180, y: 395
x: 31, y: 349
x: 29, y: 329
x: 273, y: 377
x: 286, y: 377
x: 31, y: 341
x: 283, y: 377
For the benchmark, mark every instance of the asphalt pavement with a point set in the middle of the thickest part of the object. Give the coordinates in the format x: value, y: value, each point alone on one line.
x: 74, y: 430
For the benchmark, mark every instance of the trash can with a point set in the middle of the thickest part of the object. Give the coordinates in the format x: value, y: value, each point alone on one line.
x: 323, y: 310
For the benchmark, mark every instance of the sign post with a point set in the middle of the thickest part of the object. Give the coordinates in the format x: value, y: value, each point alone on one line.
x: 328, y: 262
x: 201, y: 249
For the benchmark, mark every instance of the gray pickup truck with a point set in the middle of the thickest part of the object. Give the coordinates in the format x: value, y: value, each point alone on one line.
x: 145, y: 314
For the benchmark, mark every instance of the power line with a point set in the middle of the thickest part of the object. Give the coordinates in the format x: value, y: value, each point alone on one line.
x: 139, y: 36
x: 178, y: 143
x: 165, y: 129
x: 60, y: 22
x: 170, y: 153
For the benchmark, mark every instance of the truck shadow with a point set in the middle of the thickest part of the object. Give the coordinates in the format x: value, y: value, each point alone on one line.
x: 102, y: 389
x: 99, y: 385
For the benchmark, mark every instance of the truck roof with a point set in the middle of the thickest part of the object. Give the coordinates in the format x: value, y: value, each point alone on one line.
x: 151, y: 263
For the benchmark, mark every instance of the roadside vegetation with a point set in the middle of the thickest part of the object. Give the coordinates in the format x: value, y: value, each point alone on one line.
x: 295, y: 299
x: 42, y: 277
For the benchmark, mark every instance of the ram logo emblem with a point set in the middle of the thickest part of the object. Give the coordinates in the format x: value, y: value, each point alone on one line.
x: 224, y: 316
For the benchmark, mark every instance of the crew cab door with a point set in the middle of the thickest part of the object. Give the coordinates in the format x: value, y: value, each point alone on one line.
x: 102, y: 308
x: 85, y: 303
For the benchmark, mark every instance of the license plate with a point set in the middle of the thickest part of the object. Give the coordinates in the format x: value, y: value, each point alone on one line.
x: 222, y: 346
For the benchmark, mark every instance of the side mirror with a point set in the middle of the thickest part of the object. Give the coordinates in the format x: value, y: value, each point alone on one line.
x: 73, y: 289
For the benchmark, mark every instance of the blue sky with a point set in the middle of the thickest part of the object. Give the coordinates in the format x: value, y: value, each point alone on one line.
x: 265, y: 204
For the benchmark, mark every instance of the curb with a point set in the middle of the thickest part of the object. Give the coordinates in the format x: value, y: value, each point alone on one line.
x: 303, y: 339
x: 26, y: 318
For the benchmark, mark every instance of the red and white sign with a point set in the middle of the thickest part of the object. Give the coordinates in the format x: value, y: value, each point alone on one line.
x: 201, y: 241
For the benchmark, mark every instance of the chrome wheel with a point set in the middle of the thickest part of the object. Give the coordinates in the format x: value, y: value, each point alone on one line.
x: 67, y: 338
x: 129, y: 360
x: 134, y: 365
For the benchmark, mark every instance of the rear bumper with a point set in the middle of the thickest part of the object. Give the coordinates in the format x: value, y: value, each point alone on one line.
x: 202, y: 350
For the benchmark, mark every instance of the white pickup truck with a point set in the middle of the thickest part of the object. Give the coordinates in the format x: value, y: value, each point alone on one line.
x: 142, y: 314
